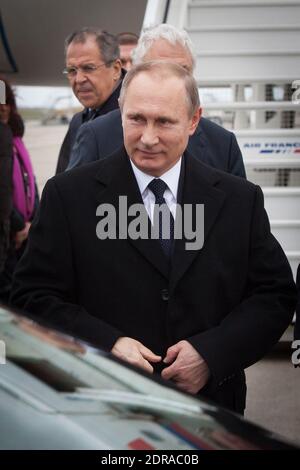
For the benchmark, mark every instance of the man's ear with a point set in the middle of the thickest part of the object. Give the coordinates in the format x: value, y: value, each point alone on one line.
x: 195, y: 120
x: 117, y: 69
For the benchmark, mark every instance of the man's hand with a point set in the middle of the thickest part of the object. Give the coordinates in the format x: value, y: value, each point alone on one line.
x: 22, y: 235
x: 135, y: 353
x: 188, y: 370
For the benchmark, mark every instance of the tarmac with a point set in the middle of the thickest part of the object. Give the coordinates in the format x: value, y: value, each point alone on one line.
x: 273, y: 397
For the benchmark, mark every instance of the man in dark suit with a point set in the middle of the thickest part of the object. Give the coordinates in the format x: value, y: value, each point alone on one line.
x: 200, y: 316
x: 212, y: 144
x: 93, y: 68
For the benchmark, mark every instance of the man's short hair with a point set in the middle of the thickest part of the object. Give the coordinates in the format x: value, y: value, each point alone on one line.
x: 127, y: 38
x: 107, y: 43
x: 168, y: 33
x: 164, y: 69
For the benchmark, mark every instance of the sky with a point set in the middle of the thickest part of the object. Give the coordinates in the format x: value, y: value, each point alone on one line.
x: 48, y: 97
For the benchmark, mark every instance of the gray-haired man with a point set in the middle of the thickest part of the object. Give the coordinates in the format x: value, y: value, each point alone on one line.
x: 93, y: 68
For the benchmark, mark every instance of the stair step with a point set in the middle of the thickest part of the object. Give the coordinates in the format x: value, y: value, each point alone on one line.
x: 287, y: 232
x: 282, y: 203
x: 251, y: 105
x: 242, y: 13
x: 227, y: 68
x: 236, y: 39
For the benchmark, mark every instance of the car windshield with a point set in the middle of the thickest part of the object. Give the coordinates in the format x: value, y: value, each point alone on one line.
x: 54, y: 373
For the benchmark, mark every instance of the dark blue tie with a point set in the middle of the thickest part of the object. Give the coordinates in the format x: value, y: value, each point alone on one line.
x: 158, y: 187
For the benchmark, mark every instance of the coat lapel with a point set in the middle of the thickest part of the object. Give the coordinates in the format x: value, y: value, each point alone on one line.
x: 199, y: 187
x: 117, y: 179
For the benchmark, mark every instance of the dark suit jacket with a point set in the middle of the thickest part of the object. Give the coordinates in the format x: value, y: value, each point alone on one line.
x: 212, y: 144
x: 232, y: 299
x: 77, y: 120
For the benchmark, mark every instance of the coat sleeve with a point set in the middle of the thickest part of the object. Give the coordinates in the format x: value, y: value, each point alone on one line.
x: 44, y: 281
x: 64, y: 153
x: 68, y: 143
x: 85, y: 147
x: 236, y: 163
x: 254, y: 326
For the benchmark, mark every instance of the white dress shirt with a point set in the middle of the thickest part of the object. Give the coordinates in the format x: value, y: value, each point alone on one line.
x: 171, y: 178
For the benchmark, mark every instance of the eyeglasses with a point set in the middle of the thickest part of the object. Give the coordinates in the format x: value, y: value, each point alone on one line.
x: 87, y: 69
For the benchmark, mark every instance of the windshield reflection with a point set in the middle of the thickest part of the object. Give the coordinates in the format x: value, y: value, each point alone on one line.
x: 51, y: 371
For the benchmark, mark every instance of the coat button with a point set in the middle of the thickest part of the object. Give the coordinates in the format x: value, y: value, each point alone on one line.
x: 165, y: 294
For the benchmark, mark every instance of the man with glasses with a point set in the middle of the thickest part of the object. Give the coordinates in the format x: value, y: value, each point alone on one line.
x: 93, y: 68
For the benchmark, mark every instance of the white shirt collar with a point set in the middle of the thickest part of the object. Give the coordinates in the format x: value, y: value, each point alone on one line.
x: 170, y: 177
